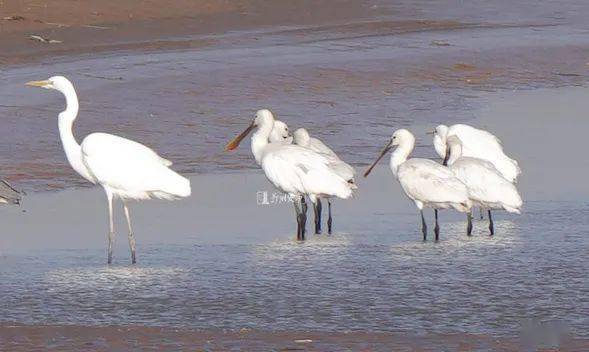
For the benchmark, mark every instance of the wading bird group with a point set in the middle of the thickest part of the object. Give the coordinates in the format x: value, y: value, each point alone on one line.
x: 473, y: 171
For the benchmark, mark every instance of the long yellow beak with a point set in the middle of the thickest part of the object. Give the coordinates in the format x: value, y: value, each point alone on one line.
x: 38, y: 83
x: 235, y: 142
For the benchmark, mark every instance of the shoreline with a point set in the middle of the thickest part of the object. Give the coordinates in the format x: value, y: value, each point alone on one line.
x: 71, y: 338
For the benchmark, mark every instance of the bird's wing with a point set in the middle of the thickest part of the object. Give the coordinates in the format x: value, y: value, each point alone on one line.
x: 477, y: 143
x: 344, y: 170
x: 485, y: 183
x: 319, y: 147
x: 130, y: 166
x: 298, y: 170
x: 430, y: 182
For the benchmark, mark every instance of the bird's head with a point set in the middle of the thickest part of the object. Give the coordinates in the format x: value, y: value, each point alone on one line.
x: 280, y: 132
x: 262, y: 117
x: 301, y: 137
x: 401, y: 136
x: 59, y: 83
x: 441, y: 131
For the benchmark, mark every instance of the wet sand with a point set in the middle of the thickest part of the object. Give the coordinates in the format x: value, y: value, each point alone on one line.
x: 96, y: 26
x: 76, y: 338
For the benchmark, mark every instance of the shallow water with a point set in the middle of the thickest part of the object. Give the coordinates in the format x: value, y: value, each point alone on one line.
x: 382, y: 279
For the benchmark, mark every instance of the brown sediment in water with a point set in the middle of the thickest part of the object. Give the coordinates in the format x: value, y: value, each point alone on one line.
x: 75, y: 338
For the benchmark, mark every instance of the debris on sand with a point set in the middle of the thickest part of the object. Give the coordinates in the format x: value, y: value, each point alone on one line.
x: 44, y: 40
x: 13, y: 18
x: 303, y: 341
x: 439, y: 43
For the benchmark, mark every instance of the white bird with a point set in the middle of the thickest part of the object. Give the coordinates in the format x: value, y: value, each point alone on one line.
x: 480, y: 144
x: 424, y: 181
x: 487, y: 188
x: 292, y: 169
x: 8, y: 194
x: 124, y: 168
x: 280, y: 133
x: 344, y: 170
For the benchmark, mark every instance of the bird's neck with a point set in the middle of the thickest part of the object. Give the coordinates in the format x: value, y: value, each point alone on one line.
x: 455, y: 153
x: 260, y: 141
x: 72, y: 149
x: 399, y: 156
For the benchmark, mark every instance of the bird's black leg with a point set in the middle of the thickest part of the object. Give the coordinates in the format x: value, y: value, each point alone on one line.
x: 482, y: 214
x: 303, y: 217
x: 317, y: 209
x: 437, y: 227
x: 297, y: 207
x: 423, y: 226
x: 469, y: 224
x: 329, y: 221
x: 491, y: 227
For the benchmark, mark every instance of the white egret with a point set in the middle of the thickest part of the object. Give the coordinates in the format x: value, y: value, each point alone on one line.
x: 8, y: 194
x: 344, y: 170
x: 480, y: 144
x: 424, y: 181
x: 292, y: 169
x: 280, y: 133
x: 487, y: 188
x: 124, y: 168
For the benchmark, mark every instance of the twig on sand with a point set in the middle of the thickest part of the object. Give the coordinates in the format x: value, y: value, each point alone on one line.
x: 13, y: 18
x: 95, y: 27
x: 44, y: 40
x: 103, y: 77
x: 566, y: 74
x: 439, y: 43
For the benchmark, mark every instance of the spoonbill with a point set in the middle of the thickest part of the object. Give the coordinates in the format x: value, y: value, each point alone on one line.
x: 480, y: 144
x: 477, y: 143
x: 280, y: 133
x: 124, y: 168
x: 8, y: 194
x: 487, y: 188
x: 292, y: 169
x: 425, y: 182
x: 347, y: 172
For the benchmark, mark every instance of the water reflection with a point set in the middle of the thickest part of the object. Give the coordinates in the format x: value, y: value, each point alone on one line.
x: 354, y: 281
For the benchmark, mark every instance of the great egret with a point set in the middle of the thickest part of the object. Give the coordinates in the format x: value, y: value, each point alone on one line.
x: 487, y: 188
x: 480, y: 144
x: 292, y: 169
x: 8, y: 194
x: 280, y: 133
x: 424, y: 181
x: 124, y: 168
x: 347, y: 172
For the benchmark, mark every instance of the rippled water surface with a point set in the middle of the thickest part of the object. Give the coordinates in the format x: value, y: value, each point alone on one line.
x: 531, y: 273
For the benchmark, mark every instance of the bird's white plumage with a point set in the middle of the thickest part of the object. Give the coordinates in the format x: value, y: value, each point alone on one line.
x: 432, y: 185
x: 480, y: 144
x: 424, y: 181
x: 299, y: 171
x: 343, y: 169
x: 130, y: 169
x: 487, y: 187
x: 280, y: 133
x: 292, y: 168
